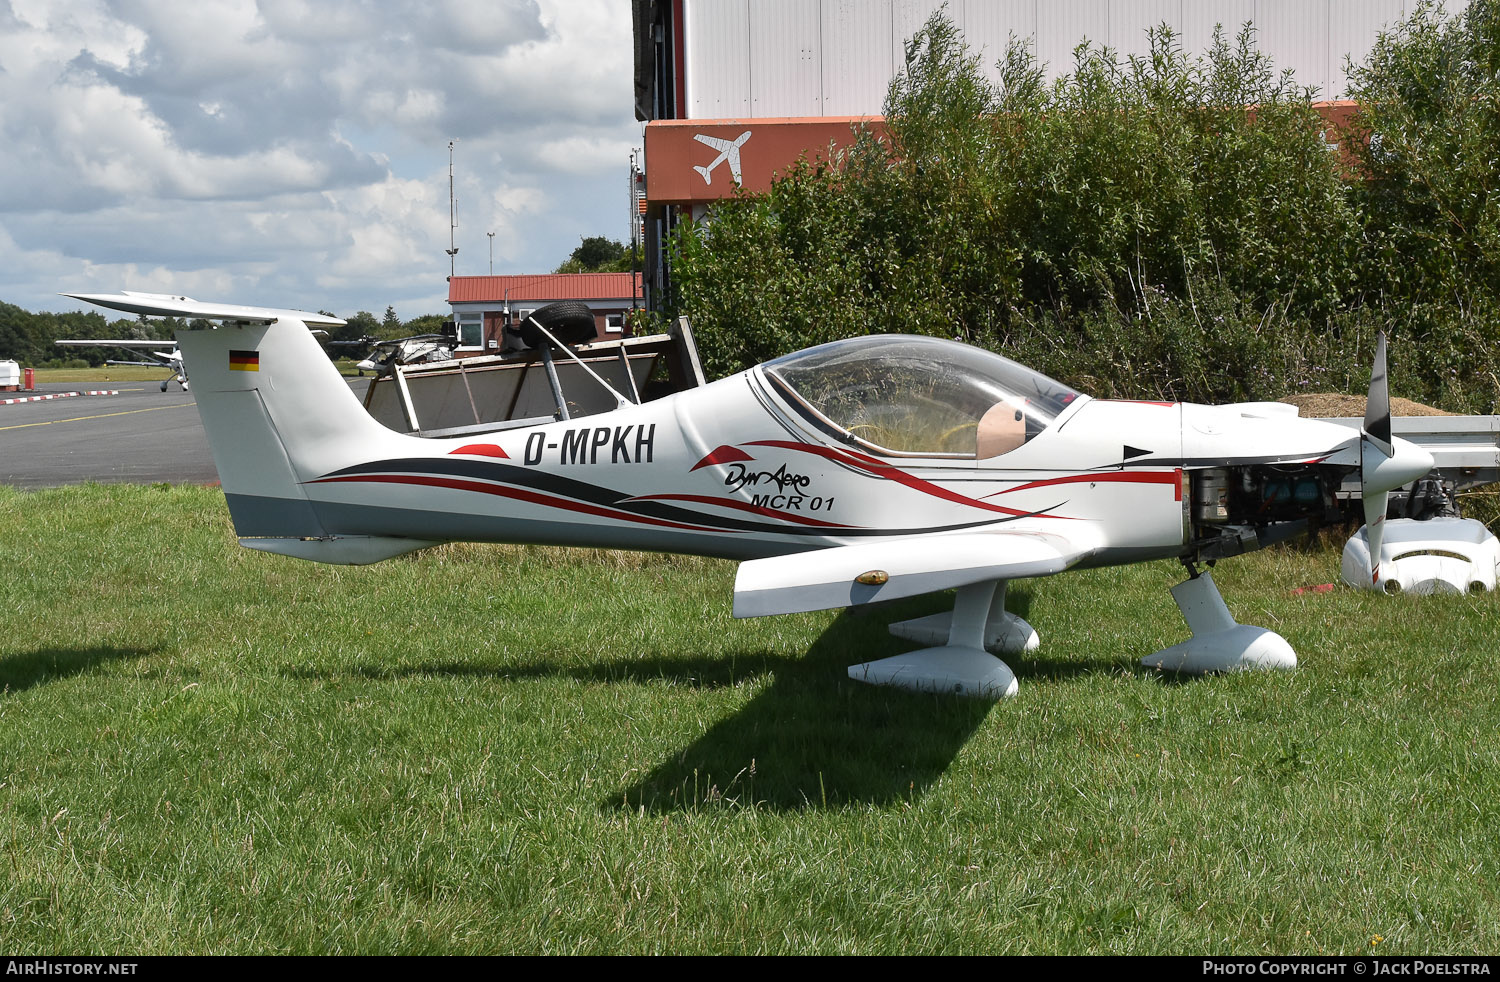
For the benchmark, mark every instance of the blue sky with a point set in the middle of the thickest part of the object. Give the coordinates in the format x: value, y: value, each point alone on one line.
x: 295, y: 152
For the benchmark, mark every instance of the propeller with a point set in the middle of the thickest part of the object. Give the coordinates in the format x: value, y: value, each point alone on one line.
x: 1375, y: 448
x: 1385, y: 463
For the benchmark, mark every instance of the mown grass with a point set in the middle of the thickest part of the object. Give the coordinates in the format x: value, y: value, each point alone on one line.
x: 495, y: 749
x: 103, y: 373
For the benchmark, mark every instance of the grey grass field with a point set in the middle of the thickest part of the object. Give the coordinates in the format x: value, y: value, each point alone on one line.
x: 494, y: 749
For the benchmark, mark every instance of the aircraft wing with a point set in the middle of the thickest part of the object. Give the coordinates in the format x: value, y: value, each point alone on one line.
x: 117, y: 343
x: 164, y: 305
x: 909, y: 566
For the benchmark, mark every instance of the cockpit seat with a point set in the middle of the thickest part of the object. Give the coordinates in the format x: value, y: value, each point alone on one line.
x: 1001, y: 430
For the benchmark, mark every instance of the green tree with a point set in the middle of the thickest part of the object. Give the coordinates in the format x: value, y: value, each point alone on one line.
x: 362, y: 324
x: 1113, y: 209
x: 30, y: 338
x: 22, y: 338
x: 1427, y: 142
x: 596, y: 254
x: 426, y: 324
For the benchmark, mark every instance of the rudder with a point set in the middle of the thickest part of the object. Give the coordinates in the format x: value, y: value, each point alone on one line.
x: 277, y: 413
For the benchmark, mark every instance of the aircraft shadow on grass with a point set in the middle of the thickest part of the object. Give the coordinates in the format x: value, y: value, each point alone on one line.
x: 815, y: 738
x: 28, y: 669
x: 811, y: 738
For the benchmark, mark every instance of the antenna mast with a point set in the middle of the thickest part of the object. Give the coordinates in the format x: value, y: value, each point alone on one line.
x: 452, y: 217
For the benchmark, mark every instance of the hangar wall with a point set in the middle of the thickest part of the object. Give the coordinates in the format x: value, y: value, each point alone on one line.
x: 759, y: 58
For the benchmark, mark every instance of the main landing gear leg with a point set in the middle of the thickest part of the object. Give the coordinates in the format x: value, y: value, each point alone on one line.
x: 1004, y: 632
x: 1218, y: 643
x: 961, y: 666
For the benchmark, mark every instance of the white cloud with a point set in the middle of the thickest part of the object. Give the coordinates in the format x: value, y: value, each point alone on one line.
x: 294, y: 151
x: 581, y: 153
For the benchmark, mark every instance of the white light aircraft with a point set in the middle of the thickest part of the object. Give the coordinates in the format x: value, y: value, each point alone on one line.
x: 171, y: 359
x: 729, y: 150
x: 858, y: 471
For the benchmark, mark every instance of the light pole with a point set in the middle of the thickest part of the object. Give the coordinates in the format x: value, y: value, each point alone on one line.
x: 492, y: 252
x: 452, y: 218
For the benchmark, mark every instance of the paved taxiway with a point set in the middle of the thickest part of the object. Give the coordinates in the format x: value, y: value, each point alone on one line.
x: 142, y: 435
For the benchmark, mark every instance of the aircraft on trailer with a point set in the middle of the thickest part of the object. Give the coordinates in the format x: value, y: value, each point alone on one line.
x: 857, y: 471
x: 385, y: 355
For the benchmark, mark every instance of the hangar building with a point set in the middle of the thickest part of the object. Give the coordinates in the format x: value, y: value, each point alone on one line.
x: 733, y: 91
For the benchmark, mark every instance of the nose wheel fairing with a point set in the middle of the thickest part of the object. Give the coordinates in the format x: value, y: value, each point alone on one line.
x: 1218, y: 644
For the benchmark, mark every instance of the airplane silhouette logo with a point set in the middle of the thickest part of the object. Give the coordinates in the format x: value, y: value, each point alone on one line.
x: 728, y: 150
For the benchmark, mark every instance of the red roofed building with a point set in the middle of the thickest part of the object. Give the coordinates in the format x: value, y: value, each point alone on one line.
x: 482, y: 305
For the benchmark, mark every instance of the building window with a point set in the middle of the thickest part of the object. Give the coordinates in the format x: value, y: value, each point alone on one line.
x: 471, y: 330
x: 614, y: 323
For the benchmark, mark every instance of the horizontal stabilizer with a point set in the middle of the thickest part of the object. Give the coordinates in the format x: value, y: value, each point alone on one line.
x: 116, y: 343
x: 864, y: 573
x: 164, y: 305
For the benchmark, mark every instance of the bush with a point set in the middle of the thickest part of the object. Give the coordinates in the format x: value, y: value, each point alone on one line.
x: 1427, y: 138
x: 1097, y: 205
x: 1157, y: 226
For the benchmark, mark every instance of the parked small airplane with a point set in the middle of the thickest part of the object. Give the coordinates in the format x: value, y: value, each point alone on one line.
x: 384, y: 355
x: 407, y: 351
x: 165, y: 359
x: 863, y: 470
x: 729, y: 150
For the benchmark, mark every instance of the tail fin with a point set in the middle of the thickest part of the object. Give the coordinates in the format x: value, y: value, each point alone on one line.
x: 704, y: 172
x: 277, y: 413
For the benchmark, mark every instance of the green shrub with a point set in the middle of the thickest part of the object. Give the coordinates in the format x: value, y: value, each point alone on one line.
x: 1101, y: 206
x: 1154, y: 226
x: 1427, y: 139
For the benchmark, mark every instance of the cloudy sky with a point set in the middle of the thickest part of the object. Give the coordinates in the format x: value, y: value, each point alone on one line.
x: 295, y: 152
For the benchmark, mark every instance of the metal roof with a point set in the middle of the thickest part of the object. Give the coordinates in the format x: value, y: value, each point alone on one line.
x: 545, y: 286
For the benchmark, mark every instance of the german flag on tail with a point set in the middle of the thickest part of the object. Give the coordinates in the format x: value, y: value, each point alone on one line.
x: 244, y: 361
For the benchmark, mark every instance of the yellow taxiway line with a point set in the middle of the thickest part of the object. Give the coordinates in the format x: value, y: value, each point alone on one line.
x: 79, y: 419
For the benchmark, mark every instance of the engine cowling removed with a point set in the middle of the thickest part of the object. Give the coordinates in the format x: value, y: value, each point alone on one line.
x: 1234, y: 510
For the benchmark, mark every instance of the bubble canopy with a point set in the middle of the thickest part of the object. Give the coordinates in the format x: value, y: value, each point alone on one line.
x: 909, y: 394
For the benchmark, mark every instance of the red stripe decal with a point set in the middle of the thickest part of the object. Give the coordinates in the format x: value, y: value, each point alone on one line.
x: 517, y: 493
x: 481, y: 450
x: 723, y: 455
x: 890, y: 473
